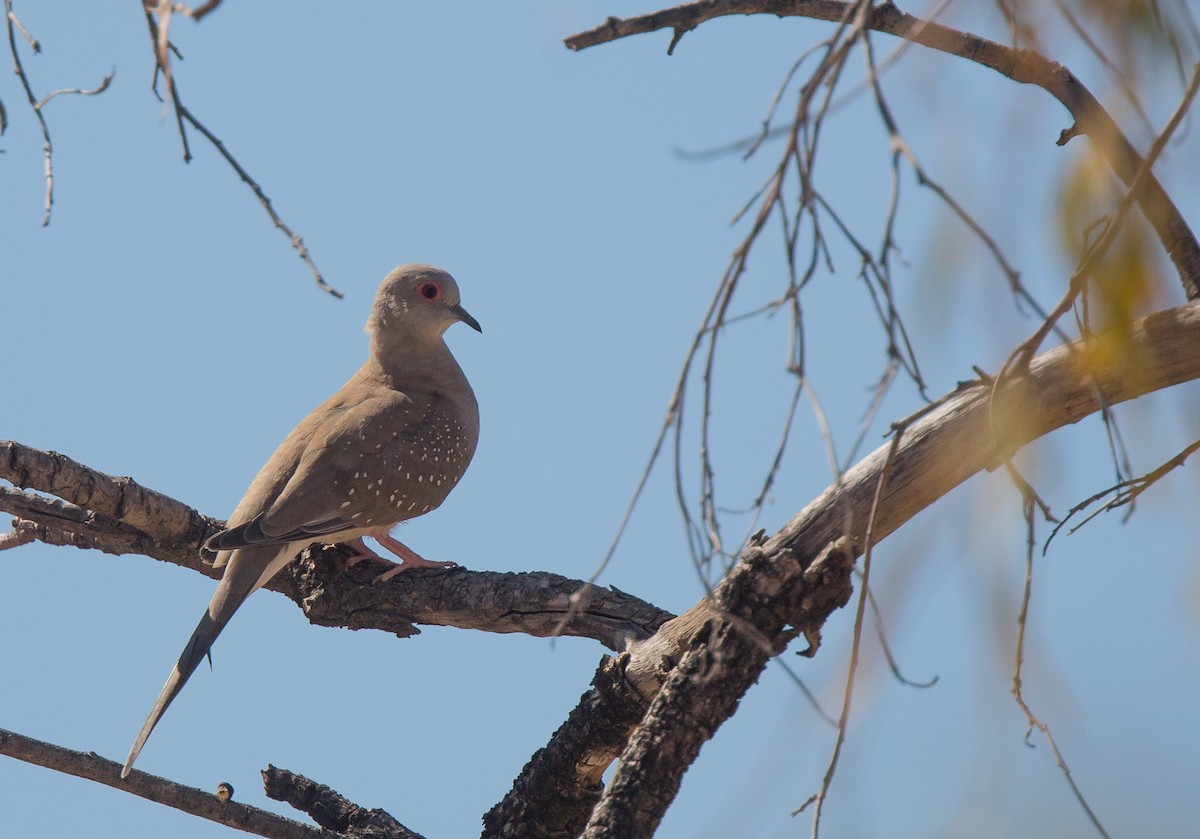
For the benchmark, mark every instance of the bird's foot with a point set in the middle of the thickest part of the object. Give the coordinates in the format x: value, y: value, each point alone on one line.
x: 409, y: 558
x: 361, y: 552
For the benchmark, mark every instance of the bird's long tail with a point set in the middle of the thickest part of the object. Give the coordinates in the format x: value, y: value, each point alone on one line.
x: 246, y: 570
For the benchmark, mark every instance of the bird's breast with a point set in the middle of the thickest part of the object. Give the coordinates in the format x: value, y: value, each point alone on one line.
x: 422, y: 454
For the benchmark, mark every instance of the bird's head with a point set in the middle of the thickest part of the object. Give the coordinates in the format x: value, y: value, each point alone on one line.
x: 418, y: 302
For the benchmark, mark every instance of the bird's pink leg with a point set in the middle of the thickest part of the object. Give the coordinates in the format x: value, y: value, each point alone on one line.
x: 362, y: 552
x: 409, y: 558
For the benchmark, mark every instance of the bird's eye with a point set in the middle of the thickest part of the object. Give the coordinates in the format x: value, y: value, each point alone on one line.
x: 430, y: 291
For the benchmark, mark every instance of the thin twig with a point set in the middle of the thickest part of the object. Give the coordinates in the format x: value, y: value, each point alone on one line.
x: 1123, y: 493
x: 1028, y: 504
x: 856, y: 640
x: 13, y: 24
x: 158, y: 37
x: 29, y: 39
x: 882, y: 386
x: 804, y: 689
x: 835, y: 466
x: 881, y: 634
x: 1111, y: 227
x: 103, y: 86
x: 199, y: 11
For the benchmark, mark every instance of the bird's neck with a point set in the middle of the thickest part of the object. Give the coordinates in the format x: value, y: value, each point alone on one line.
x: 413, y: 365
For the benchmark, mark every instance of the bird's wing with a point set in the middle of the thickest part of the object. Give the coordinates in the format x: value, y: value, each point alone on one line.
x: 313, y: 501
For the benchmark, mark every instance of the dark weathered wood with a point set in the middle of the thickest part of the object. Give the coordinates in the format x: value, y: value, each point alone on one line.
x: 557, y: 789
x: 760, y: 606
x: 331, y: 810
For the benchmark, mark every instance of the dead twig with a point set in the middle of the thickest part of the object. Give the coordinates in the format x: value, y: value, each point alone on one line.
x: 1123, y: 493
x: 158, y: 16
x: 1029, y: 502
x: 13, y: 26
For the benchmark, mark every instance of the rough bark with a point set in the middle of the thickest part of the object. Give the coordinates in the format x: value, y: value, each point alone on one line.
x: 331, y: 810
x: 119, y: 516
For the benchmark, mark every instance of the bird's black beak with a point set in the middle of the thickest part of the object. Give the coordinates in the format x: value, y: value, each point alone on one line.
x: 465, y: 317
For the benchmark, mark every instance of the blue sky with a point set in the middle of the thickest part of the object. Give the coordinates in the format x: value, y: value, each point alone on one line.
x: 160, y: 328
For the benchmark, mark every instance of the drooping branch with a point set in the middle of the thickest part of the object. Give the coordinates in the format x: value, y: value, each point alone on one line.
x: 119, y: 516
x: 1021, y: 65
x: 972, y: 429
x: 158, y: 18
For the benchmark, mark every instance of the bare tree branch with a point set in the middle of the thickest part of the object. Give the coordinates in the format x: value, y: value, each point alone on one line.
x: 13, y: 25
x: 1029, y: 503
x: 15, y: 538
x: 62, y: 524
x: 843, y: 723
x: 119, y: 516
x: 718, y: 663
x: 330, y: 809
x: 206, y: 805
x: 1123, y: 493
x: 199, y: 11
x: 158, y: 16
x: 103, y: 86
x: 171, y: 523
x: 557, y: 789
x: 1020, y: 65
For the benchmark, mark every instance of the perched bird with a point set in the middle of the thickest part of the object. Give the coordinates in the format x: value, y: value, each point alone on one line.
x: 387, y: 447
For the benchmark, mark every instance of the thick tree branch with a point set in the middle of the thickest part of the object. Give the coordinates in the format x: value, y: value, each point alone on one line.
x: 330, y: 809
x: 117, y: 515
x: 760, y: 606
x: 973, y: 429
x: 561, y: 784
x: 60, y: 523
x: 206, y: 805
x: 762, y: 602
x: 172, y: 524
x: 1020, y: 65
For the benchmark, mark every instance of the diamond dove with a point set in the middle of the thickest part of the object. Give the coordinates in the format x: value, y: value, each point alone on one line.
x: 387, y: 447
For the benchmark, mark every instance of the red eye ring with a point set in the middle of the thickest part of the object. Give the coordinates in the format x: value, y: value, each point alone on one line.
x: 430, y: 291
